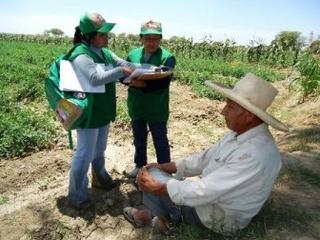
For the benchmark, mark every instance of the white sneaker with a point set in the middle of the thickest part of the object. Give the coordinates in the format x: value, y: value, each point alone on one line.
x: 133, y: 173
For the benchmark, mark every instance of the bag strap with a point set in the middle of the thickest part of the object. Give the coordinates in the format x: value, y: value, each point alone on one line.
x: 70, y: 139
x: 67, y: 56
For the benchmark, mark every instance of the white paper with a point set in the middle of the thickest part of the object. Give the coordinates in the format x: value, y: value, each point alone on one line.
x: 140, y: 70
x: 159, y: 175
x: 73, y: 80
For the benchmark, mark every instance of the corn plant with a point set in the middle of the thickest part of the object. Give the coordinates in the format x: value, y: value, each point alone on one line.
x: 309, y: 80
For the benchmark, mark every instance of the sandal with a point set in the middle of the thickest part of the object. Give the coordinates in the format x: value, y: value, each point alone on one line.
x: 160, y: 225
x: 128, y: 214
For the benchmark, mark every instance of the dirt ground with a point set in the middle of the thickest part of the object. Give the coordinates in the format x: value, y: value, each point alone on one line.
x: 33, y: 190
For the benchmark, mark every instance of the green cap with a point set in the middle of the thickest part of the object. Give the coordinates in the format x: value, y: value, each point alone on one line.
x: 151, y: 28
x: 94, y: 22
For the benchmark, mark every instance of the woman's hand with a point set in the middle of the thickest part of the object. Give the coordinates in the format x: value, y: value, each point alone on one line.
x: 127, y: 71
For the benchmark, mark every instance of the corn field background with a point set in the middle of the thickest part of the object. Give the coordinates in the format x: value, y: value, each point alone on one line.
x: 35, y: 161
x: 27, y: 124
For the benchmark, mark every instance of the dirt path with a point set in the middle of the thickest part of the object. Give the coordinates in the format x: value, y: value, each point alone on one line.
x: 33, y: 190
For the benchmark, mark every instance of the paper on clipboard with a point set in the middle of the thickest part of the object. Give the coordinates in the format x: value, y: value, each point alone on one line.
x: 154, y: 76
x: 143, y: 73
x: 73, y: 80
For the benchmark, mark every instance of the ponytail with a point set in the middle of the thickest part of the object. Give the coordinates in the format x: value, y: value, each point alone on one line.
x: 78, y: 37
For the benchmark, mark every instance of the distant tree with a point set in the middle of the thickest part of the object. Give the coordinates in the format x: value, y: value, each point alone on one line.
x: 177, y: 38
x: 133, y: 37
x: 315, y: 47
x: 288, y: 40
x: 311, y: 38
x: 56, y: 32
x: 111, y: 35
x: 121, y: 35
x: 285, y: 48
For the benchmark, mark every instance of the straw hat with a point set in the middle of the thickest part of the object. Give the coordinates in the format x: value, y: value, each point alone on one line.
x: 255, y: 95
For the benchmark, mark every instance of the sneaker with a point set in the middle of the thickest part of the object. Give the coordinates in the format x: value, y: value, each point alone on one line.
x: 133, y: 173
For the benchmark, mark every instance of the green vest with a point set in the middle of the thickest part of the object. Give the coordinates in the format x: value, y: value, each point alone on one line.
x: 102, y: 105
x: 152, y: 106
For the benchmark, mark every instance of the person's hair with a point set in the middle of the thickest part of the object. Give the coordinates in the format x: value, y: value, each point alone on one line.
x: 79, y: 37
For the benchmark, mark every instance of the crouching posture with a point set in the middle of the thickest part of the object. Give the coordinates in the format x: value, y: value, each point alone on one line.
x: 225, y: 186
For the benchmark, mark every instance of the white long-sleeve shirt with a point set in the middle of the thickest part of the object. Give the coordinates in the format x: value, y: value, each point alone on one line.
x: 236, y: 176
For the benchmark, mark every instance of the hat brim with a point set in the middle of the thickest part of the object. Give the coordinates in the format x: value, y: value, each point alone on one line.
x: 151, y: 32
x: 106, y: 27
x: 264, y: 116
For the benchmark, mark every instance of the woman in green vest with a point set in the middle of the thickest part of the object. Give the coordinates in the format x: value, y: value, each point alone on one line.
x: 91, y: 38
x: 148, y: 102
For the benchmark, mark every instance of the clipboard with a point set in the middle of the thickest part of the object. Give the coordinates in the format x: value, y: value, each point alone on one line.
x: 147, y: 73
x: 154, y: 76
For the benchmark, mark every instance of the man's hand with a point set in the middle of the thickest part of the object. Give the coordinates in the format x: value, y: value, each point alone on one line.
x: 147, y: 183
x: 153, y: 165
x: 166, y: 167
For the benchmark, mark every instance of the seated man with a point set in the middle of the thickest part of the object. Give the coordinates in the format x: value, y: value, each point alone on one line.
x: 234, y: 177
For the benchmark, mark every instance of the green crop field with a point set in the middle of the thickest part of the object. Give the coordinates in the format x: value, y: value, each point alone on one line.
x: 28, y: 125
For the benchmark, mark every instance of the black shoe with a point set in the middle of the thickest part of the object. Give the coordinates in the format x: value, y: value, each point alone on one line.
x: 105, y: 183
x: 84, y: 206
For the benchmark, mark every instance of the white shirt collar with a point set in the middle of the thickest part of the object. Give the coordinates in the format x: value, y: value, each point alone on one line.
x: 253, y: 132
